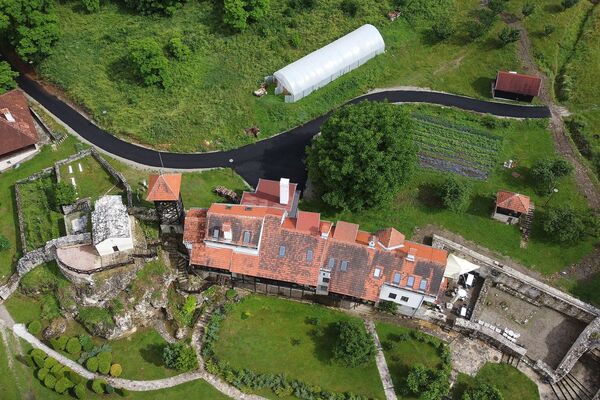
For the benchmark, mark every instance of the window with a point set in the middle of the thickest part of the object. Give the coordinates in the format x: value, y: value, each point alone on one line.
x: 392, y: 295
x: 115, y: 248
x: 216, y: 234
x: 397, y: 277
x: 404, y: 299
x: 411, y: 281
x: 323, y: 288
x: 344, y: 266
x: 246, y: 237
x: 423, y: 284
x: 281, y: 251
x: 377, y: 272
x: 331, y: 263
x: 309, y: 255
x: 325, y: 280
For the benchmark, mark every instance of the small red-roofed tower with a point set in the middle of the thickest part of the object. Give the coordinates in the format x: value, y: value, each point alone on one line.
x: 164, y: 191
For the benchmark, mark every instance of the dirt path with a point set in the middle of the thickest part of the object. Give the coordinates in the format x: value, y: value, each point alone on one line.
x: 561, y: 140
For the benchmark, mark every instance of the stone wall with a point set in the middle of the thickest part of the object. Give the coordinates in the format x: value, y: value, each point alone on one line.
x: 47, y: 253
x: 494, y: 339
x: 588, y: 340
x: 144, y: 214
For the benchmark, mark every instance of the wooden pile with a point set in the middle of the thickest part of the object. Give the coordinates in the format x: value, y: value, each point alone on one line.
x: 226, y: 193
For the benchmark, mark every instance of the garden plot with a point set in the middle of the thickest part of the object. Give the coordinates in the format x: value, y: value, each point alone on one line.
x: 89, y: 178
x: 455, y: 148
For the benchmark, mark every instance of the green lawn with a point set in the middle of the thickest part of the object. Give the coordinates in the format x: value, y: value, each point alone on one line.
x: 211, y: 101
x: 586, y: 289
x: 405, y: 354
x: 512, y: 383
x: 264, y: 343
x: 93, y: 181
x: 197, y: 188
x: 416, y: 205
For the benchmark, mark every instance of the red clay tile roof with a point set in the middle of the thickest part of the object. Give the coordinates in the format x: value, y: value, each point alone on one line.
x: 267, y: 194
x: 308, y: 222
x: 18, y: 134
x: 518, y: 83
x: 390, y: 238
x: 195, y: 226
x: 345, y: 231
x: 164, y: 187
x: 512, y: 201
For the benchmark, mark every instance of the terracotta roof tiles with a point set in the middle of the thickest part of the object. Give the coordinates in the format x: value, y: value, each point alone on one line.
x: 513, y: 201
x: 164, y: 187
x: 518, y: 83
x: 17, y: 129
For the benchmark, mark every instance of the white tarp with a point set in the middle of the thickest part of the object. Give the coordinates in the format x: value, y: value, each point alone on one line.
x: 457, y: 266
x: 322, y: 66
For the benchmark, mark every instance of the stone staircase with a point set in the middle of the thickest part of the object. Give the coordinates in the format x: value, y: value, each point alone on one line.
x: 526, y: 222
x: 571, y: 388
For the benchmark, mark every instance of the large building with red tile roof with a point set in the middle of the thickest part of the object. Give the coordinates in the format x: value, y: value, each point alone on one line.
x: 514, y: 86
x: 18, y: 135
x: 279, y: 194
x: 266, y: 244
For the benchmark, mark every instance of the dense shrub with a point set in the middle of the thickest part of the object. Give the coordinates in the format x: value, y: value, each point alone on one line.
x: 59, y: 343
x: 568, y: 3
x: 149, y: 63
x: 116, y: 370
x: 350, y: 7
x: 79, y: 391
x: 50, y: 362
x: 178, y: 49
x: 303, y: 4
x: 482, y: 391
x: 443, y: 28
x: 564, y: 224
x: 497, y: 6
x: 7, y: 79
x: 39, y: 360
x: 230, y: 294
x: 34, y: 327
x: 42, y: 373
x: 475, y: 29
x: 105, y: 356
x: 354, y: 345
x: 184, y: 314
x: 508, y: 35
x: 180, y: 357
x: 364, y: 155
x: 238, y: 14
x: 387, y: 306
x: 50, y: 381
x: 98, y: 386
x: 528, y: 8
x: 57, y: 370
x: 92, y: 364
x: 86, y: 342
x: 426, y: 383
x: 73, y: 346
x: 62, y: 194
x: 91, y: 5
x: 549, y: 30
x: 62, y: 385
x: 146, y: 7
x: 455, y: 193
x: 92, y: 317
x: 109, y: 389
x: 577, y: 128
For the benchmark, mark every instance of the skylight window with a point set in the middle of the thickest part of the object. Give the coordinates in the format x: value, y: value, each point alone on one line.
x: 411, y: 281
x: 309, y: 255
x: 397, y: 278
x: 423, y: 284
x: 281, y: 251
x: 331, y: 263
x: 377, y: 272
x: 344, y: 265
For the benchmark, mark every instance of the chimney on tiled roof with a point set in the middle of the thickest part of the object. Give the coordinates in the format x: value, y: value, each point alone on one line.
x: 372, y: 241
x: 284, y: 191
x: 227, y: 234
x: 411, y: 254
x: 9, y: 117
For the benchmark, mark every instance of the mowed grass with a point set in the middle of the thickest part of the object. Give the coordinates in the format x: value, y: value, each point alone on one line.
x: 417, y: 205
x: 512, y: 383
x: 263, y: 343
x: 211, y: 101
x: 92, y: 180
x: 197, y: 188
x: 405, y: 354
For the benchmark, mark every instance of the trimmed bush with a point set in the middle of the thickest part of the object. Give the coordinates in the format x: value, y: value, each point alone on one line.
x: 79, y: 391
x: 50, y: 381
x: 34, y: 327
x: 86, y: 342
x: 103, y: 367
x: 39, y: 360
x: 59, y: 343
x: 62, y: 385
x: 73, y: 346
x: 105, y: 356
x: 50, y: 362
x: 116, y: 370
x: 98, y: 386
x: 37, y: 352
x: 42, y: 373
x: 74, y: 377
x: 124, y: 392
x: 108, y: 389
x: 57, y: 370
x: 29, y: 361
x: 92, y: 364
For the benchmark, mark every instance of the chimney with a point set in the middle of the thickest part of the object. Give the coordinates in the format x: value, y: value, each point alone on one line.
x: 227, y: 234
x: 9, y: 117
x: 372, y: 240
x: 284, y: 191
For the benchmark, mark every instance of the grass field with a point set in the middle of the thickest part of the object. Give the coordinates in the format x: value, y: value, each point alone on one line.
x: 417, y: 206
x: 405, y: 354
x: 211, y: 100
x: 92, y: 180
x: 512, y: 383
x: 267, y: 342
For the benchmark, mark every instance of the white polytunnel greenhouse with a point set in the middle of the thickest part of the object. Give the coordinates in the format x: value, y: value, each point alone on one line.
x: 322, y: 66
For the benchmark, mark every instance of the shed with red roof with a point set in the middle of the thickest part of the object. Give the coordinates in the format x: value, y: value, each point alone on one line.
x: 514, y: 86
x: 511, y: 206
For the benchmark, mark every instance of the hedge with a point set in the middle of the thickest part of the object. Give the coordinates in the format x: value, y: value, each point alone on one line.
x: 63, y: 385
x: 79, y: 391
x: 73, y: 346
x: 39, y: 360
x: 59, y: 343
x: 98, y: 386
x: 50, y: 381
x: 57, y: 370
x: 103, y: 367
x: 50, y: 362
x: 92, y: 364
x: 34, y: 327
x: 42, y: 373
x: 116, y: 370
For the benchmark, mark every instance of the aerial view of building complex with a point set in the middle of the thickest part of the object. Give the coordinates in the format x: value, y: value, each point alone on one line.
x: 300, y: 199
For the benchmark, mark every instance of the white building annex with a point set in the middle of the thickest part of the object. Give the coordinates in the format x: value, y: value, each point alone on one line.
x: 111, y: 226
x: 322, y: 66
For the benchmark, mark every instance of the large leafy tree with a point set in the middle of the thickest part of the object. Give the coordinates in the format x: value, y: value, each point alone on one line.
x: 363, y: 155
x: 238, y: 14
x: 455, y: 193
x: 546, y: 173
x: 149, y: 62
x: 564, y: 224
x: 7, y: 77
x: 354, y: 345
x: 30, y: 26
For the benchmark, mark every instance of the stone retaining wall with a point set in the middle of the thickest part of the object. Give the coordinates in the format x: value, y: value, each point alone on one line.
x: 494, y: 339
x: 47, y: 253
x: 588, y: 340
x: 143, y: 213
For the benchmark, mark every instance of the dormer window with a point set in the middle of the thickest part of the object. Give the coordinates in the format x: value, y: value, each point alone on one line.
x: 410, y: 257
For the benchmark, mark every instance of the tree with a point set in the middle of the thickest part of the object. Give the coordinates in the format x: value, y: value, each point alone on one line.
x: 475, y: 29
x: 149, y: 63
x: 417, y: 379
x: 363, y: 156
x: 443, y: 28
x: 428, y: 384
x: 564, y: 224
x: 546, y: 173
x: 354, y: 345
x: 7, y: 77
x: 177, y: 49
x: 482, y: 391
x: 180, y: 357
x: 455, y: 193
x: 4, y: 243
x: 568, y: 3
x: 31, y: 27
x: 508, y: 35
x: 528, y: 9
x: 91, y: 5
x: 497, y: 6
x: 238, y: 14
x: 63, y: 194
x: 146, y: 7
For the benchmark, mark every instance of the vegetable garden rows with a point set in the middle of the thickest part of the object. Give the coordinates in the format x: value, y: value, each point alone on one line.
x: 456, y: 148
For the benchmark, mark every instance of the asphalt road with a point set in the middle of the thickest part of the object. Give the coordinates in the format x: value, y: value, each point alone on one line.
x: 278, y: 156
